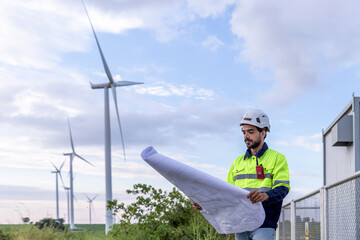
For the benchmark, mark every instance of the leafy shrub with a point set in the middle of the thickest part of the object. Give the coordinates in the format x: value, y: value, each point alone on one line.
x: 25, y: 220
x: 51, y: 223
x: 4, y: 236
x: 157, y: 214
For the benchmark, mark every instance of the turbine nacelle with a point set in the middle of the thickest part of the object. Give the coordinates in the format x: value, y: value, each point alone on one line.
x: 58, y: 170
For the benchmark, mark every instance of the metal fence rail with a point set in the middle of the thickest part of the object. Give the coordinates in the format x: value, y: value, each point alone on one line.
x: 329, y: 213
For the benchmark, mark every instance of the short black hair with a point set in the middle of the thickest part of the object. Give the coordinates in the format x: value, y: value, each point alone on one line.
x: 261, y: 129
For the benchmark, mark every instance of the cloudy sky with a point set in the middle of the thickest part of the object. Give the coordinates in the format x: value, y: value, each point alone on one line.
x: 203, y: 64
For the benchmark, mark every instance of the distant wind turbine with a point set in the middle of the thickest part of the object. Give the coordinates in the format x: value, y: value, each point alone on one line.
x: 57, y: 172
x: 111, y: 84
x: 90, y: 200
x: 72, y: 155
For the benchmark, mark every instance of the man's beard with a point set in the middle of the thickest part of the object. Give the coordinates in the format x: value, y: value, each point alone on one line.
x: 254, y: 144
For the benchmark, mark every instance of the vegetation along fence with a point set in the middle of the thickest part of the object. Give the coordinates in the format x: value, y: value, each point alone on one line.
x: 329, y: 213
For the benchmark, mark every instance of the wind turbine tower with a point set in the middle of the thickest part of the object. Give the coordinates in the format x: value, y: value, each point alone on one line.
x: 90, y: 200
x: 111, y: 84
x: 67, y: 189
x: 72, y: 155
x: 57, y: 172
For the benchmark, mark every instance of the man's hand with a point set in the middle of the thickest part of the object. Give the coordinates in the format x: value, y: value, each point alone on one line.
x: 256, y: 196
x: 196, y: 206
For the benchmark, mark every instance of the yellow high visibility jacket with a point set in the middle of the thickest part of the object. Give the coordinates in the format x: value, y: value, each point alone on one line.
x: 276, y: 172
x: 276, y: 181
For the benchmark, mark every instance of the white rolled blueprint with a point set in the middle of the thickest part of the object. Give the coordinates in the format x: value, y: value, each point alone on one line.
x: 224, y: 205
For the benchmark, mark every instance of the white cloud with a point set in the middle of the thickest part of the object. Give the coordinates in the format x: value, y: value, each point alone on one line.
x: 312, y: 143
x: 35, y: 32
x: 295, y: 41
x: 165, y: 18
x: 106, y: 22
x: 166, y: 90
x: 212, y: 42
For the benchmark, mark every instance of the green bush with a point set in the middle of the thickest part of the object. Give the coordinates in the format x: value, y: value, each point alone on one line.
x: 4, y: 236
x: 51, y: 223
x: 157, y: 214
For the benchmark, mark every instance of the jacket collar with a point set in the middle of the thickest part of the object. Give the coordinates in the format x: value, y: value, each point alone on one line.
x: 258, y: 154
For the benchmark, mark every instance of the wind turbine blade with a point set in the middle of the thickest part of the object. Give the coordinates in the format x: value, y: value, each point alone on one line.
x: 84, y: 159
x: 62, y: 165
x: 71, y: 139
x: 113, y: 88
x: 87, y: 197
x: 54, y: 166
x: 62, y: 180
x: 107, y: 70
x: 93, y: 209
x: 94, y: 197
x: 126, y: 83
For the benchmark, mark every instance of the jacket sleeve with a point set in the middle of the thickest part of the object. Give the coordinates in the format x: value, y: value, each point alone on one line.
x: 277, y: 194
x: 280, y: 181
x: 280, y: 173
x: 230, y: 176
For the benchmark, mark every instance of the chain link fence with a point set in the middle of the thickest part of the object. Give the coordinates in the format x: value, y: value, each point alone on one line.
x: 308, y: 218
x: 285, y: 223
x: 343, y: 212
x: 330, y: 213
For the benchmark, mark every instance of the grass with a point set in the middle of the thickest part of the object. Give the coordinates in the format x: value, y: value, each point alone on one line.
x: 30, y: 232
x: 92, y: 232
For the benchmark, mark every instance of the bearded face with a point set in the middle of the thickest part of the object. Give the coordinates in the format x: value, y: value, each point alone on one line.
x: 252, y: 137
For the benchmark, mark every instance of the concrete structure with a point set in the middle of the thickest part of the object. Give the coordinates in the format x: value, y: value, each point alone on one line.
x: 341, y: 143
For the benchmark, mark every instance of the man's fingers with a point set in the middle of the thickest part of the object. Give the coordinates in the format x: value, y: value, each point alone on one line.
x: 196, y: 206
x: 257, y: 198
x: 252, y: 193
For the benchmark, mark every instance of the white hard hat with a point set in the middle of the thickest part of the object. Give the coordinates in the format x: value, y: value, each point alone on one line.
x: 256, y: 118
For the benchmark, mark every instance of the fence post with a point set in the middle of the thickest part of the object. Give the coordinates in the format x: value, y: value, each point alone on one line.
x: 293, y: 220
x: 325, y: 214
x: 323, y: 208
x: 283, y: 227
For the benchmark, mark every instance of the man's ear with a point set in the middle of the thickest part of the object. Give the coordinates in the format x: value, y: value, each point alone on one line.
x: 263, y: 133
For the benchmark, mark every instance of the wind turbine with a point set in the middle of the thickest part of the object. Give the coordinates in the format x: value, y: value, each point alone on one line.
x: 67, y: 189
x: 72, y: 155
x: 57, y: 171
x: 111, y: 84
x: 90, y: 200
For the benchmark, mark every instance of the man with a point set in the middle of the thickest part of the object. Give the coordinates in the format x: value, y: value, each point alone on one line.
x: 262, y: 171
